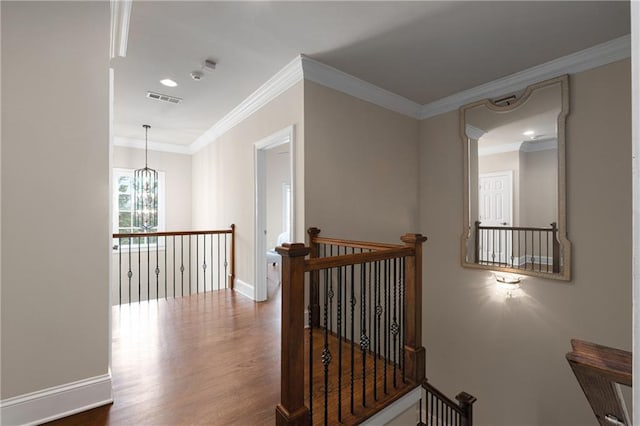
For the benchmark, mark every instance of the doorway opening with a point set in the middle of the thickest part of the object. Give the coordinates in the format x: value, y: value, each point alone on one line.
x: 275, y: 201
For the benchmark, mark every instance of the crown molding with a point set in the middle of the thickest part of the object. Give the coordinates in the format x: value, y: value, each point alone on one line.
x: 120, y: 17
x: 153, y: 146
x: 276, y: 85
x: 524, y: 146
x: 338, y: 80
x: 592, y: 57
x: 499, y: 149
x: 539, y: 145
x: 303, y: 67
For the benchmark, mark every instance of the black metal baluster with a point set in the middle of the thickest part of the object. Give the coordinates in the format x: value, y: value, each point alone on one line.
x: 190, y: 265
x: 403, y: 319
x: 119, y: 271
x: 326, y: 354
x: 173, y: 265
x: 353, y: 305
x: 331, y: 294
x: 533, y: 252
x: 394, y: 324
x: 376, y: 328
x: 225, y: 260
x: 386, y: 322
x: 539, y: 251
x: 364, y: 339
x: 430, y: 411
x: 339, y: 326
x: 148, y: 271
x: 219, y: 262
x: 182, y: 265
x: 309, y: 308
x: 547, y: 251
x: 166, y: 247
x: 157, y: 271
x: 493, y: 246
x: 196, y: 268
x: 139, y: 272
x: 129, y: 273
x: 204, y: 262
x: 211, y: 258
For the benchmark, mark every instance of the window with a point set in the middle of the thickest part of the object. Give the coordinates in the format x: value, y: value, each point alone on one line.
x: 123, y: 207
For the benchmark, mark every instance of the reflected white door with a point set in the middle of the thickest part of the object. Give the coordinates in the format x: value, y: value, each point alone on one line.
x: 495, y: 198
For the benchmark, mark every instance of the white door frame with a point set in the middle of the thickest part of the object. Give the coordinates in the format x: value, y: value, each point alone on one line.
x: 281, y: 137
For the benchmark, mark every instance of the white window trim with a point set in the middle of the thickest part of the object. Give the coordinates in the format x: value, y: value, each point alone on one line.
x: 161, y: 208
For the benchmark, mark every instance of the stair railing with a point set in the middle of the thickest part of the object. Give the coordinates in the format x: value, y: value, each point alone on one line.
x: 440, y: 410
x: 365, y: 312
x: 156, y: 265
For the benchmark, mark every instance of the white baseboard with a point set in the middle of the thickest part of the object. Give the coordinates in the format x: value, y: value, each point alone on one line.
x: 394, y: 410
x: 244, y: 288
x: 56, y: 402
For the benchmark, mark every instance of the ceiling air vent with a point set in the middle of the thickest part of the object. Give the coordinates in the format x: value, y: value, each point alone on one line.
x: 163, y: 98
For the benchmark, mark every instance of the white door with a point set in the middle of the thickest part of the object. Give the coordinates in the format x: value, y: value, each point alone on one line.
x: 495, y: 210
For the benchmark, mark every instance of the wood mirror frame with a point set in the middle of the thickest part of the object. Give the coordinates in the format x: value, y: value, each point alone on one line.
x: 561, y: 269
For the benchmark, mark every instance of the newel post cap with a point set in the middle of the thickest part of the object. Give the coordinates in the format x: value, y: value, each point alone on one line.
x: 313, y: 231
x: 413, y: 239
x: 293, y: 250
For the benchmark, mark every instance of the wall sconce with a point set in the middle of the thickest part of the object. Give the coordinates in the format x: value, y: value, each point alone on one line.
x: 508, y: 283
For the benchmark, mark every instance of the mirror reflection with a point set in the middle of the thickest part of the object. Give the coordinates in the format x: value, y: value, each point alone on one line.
x: 515, y: 218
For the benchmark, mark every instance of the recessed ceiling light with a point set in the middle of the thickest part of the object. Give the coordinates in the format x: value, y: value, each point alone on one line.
x: 529, y: 133
x: 168, y: 82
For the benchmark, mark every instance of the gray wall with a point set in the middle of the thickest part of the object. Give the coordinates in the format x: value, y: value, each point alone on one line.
x: 55, y: 194
x: 509, y: 353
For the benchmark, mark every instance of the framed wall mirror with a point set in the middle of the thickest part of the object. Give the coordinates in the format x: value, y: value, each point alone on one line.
x: 514, y: 182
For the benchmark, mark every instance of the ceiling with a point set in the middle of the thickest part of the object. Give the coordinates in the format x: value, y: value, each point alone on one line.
x: 423, y: 51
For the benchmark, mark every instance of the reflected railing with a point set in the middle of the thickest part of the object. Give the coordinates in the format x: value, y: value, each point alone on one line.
x: 524, y: 248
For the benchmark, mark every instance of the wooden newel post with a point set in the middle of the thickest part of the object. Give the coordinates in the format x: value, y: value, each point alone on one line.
x: 291, y: 409
x: 232, y: 269
x: 315, y: 278
x: 414, y: 351
x: 465, y: 401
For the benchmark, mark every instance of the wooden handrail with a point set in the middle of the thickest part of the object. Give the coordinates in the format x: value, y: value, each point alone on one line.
x: 316, y: 264
x: 173, y: 233
x: 354, y: 243
x: 442, y: 397
x: 599, y: 369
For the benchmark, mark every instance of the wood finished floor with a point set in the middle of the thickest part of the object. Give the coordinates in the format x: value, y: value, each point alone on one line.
x: 206, y: 359
x: 360, y: 412
x: 214, y: 359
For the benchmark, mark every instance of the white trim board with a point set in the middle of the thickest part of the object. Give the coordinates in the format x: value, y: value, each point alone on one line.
x: 303, y: 67
x: 243, y: 288
x: 56, y: 402
x: 394, y: 410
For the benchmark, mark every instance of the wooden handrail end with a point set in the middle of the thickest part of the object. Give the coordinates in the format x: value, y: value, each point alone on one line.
x: 293, y: 250
x: 413, y: 238
x: 465, y: 398
x: 313, y: 231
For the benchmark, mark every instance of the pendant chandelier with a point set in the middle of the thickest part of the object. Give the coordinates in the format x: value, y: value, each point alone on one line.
x: 145, y: 185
